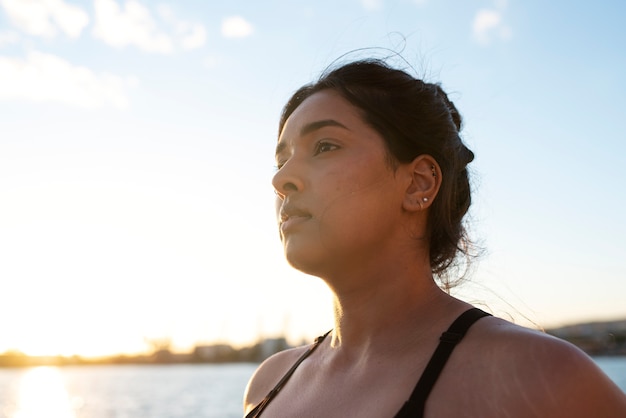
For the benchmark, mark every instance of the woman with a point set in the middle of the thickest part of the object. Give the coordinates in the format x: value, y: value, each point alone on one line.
x: 372, y: 188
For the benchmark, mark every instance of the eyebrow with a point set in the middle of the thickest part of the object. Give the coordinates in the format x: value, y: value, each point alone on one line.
x: 312, y: 127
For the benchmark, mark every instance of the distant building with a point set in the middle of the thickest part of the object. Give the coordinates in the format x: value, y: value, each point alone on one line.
x: 271, y: 346
x: 214, y: 353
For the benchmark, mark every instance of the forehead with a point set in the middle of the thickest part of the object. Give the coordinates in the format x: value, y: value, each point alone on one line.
x: 325, y: 105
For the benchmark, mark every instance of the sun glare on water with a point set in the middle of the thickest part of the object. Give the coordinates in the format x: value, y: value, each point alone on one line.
x: 42, y: 393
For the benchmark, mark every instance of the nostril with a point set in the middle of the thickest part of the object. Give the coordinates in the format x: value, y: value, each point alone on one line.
x: 290, y: 187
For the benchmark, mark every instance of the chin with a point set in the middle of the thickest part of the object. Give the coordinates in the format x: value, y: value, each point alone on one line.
x: 305, y: 262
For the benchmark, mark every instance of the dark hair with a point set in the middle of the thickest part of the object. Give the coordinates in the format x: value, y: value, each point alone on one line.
x: 414, y: 118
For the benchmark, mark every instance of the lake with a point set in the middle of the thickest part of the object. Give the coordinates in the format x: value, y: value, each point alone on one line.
x: 159, y: 391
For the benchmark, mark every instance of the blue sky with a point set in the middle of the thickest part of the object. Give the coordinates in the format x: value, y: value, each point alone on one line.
x: 136, y: 154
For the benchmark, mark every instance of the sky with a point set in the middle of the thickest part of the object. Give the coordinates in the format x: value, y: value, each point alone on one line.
x: 136, y: 155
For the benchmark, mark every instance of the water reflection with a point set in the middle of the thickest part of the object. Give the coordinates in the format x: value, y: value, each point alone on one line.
x: 159, y: 391
x: 42, y: 394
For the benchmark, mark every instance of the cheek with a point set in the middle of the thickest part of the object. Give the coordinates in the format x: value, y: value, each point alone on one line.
x: 360, y: 177
x: 359, y: 205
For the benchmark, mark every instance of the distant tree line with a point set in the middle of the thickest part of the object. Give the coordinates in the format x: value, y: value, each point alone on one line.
x: 595, y: 338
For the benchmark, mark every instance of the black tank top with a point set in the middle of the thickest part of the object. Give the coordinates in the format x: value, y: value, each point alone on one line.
x: 414, y: 407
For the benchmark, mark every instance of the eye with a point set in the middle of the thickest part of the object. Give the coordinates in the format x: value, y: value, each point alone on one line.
x: 324, y: 146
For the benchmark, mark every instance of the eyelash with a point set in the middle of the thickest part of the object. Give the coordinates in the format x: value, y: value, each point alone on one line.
x: 319, y: 148
x: 323, y: 144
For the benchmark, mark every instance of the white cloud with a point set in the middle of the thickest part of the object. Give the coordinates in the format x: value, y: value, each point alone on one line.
x: 484, y: 21
x: 236, y: 27
x: 372, y: 4
x: 189, y: 35
x: 132, y: 25
x: 8, y: 38
x: 47, y: 78
x: 45, y: 17
x: 489, y: 23
x: 195, y: 37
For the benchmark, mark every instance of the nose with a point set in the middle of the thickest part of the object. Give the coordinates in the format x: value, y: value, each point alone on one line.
x: 286, y: 181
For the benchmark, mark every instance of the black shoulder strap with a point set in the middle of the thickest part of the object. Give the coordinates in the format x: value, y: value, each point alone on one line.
x: 414, y: 407
x: 256, y: 412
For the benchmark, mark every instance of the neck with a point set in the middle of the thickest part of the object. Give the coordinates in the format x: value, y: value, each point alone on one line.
x: 389, y: 311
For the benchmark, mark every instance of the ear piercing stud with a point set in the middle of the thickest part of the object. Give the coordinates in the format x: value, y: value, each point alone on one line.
x: 432, y: 169
x: 424, y: 199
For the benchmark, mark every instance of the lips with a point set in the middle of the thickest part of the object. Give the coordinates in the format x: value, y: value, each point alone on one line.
x: 291, y: 216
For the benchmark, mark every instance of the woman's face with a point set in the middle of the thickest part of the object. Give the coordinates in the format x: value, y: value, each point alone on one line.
x: 339, y: 201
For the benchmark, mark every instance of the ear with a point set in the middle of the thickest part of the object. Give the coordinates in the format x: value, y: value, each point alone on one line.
x: 424, y: 183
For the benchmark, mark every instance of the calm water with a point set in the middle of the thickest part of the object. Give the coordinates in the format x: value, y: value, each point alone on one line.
x: 615, y: 368
x: 201, y: 391
x: 168, y: 391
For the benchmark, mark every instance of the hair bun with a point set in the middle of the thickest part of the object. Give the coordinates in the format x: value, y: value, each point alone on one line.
x: 452, y: 110
x: 467, y: 154
x: 454, y: 114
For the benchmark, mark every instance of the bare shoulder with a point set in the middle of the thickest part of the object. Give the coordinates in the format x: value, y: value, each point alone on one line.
x: 268, y: 374
x: 540, y: 374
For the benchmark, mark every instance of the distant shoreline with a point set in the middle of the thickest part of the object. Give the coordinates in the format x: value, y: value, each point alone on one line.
x: 597, y: 339
x: 202, y: 354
